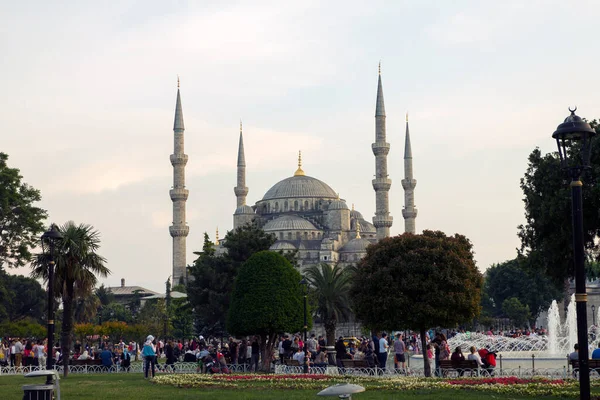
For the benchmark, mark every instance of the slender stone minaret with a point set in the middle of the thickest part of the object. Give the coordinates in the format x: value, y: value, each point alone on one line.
x: 179, y: 194
x: 382, y: 219
x: 408, y: 183
x: 241, y: 190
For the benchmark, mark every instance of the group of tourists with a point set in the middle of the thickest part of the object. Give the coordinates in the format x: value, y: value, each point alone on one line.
x: 18, y: 352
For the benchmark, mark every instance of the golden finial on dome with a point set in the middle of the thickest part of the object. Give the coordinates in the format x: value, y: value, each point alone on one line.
x: 299, y: 171
x: 217, y: 237
x: 379, y: 67
x: 177, y: 81
x: 357, y: 229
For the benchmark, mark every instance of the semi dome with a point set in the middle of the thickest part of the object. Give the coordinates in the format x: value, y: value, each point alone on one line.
x: 245, y: 209
x: 300, y: 186
x: 355, y: 214
x: 357, y: 245
x: 338, y: 205
x: 282, y: 245
x: 365, y: 226
x: 289, y: 223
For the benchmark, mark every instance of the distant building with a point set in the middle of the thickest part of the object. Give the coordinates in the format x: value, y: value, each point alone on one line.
x: 126, y: 294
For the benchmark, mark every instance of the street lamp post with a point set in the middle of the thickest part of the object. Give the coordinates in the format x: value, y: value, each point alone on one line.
x: 49, y: 239
x: 594, y: 314
x: 304, y: 284
x: 574, y: 139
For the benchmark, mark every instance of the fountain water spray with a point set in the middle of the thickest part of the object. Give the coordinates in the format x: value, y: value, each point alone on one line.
x: 554, y: 328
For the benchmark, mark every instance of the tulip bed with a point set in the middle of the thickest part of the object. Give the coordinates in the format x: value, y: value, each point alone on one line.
x: 509, y: 386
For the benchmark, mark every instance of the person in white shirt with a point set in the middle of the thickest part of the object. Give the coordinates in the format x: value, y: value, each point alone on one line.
x: 475, y: 356
x: 383, y: 350
x: 299, y: 356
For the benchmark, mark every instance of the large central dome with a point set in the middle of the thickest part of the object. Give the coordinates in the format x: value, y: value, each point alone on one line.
x: 300, y: 186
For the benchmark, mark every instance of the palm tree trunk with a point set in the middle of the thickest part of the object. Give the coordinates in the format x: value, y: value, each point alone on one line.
x: 330, y: 335
x: 426, y: 366
x: 67, y: 326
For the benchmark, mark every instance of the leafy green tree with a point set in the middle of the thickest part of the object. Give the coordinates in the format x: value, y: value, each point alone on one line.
x: 514, y: 278
x: 116, y: 312
x: 104, y: 295
x: 20, y: 221
x: 546, y: 237
x: 22, y: 297
x: 86, y: 308
x: 26, y: 328
x: 266, y: 299
x: 182, y: 319
x: 516, y: 311
x: 213, y: 275
x: 417, y: 281
x: 153, y: 315
x: 77, y: 265
x: 331, y: 289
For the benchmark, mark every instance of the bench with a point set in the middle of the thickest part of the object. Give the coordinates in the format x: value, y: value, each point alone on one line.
x: 86, y: 362
x: 347, y: 363
x: 593, y: 365
x: 291, y: 363
x: 461, y: 367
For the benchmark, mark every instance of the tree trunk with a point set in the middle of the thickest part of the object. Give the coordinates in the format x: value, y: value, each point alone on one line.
x: 67, y: 326
x: 426, y: 365
x: 266, y: 351
x: 330, y: 336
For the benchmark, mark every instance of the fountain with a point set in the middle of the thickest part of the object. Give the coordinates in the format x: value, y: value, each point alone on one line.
x: 556, y: 344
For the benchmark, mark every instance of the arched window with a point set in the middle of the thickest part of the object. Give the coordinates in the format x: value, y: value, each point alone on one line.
x: 289, y: 235
x: 269, y: 208
x: 305, y: 235
x: 281, y: 235
x: 296, y: 205
x: 297, y: 235
x: 285, y: 206
x: 306, y: 204
x: 276, y: 206
x: 313, y: 235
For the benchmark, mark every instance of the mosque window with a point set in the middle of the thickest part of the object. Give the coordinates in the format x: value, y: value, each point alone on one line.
x: 306, y: 204
x: 281, y: 235
x: 324, y: 258
x: 313, y: 235
x: 289, y: 235
x: 276, y: 206
x: 296, y: 205
x: 297, y: 235
x: 305, y: 235
x: 285, y: 206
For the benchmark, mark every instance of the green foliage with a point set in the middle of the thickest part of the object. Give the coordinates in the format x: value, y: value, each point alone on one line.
x: 77, y: 265
x: 153, y: 315
x: 20, y: 222
x: 516, y: 311
x: 213, y: 275
x: 266, y: 298
x: 546, y: 237
x: 21, y: 297
x: 104, y: 295
x: 514, y: 278
x: 115, y: 312
x: 86, y: 308
x: 417, y: 281
x: 331, y: 289
x: 27, y: 328
x: 182, y: 319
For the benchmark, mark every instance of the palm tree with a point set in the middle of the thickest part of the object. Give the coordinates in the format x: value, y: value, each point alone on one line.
x: 77, y: 265
x: 331, y: 286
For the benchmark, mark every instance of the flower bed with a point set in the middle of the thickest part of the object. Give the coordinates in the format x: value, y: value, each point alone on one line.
x: 508, y: 386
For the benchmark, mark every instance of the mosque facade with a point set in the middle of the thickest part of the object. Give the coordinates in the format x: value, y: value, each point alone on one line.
x: 304, y: 213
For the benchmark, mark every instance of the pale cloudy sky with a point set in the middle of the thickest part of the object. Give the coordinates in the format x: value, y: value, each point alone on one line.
x: 89, y: 89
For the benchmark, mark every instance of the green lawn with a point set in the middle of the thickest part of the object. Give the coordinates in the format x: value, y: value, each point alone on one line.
x: 134, y: 386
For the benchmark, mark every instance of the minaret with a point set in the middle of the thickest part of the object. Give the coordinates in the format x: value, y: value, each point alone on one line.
x: 241, y: 190
x: 382, y: 219
x: 179, y: 194
x: 408, y: 183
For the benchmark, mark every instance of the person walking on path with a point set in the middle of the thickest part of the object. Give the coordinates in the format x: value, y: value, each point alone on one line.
x: 383, y: 350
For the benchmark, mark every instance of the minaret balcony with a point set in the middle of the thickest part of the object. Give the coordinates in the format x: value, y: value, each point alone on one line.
x: 382, y: 184
x: 179, y: 230
x: 383, y: 221
x: 179, y: 194
x: 178, y: 159
x: 409, y: 184
x: 409, y: 213
x: 380, y: 148
x: 240, y: 191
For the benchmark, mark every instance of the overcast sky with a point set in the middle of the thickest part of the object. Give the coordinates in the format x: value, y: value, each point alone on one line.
x: 88, y: 96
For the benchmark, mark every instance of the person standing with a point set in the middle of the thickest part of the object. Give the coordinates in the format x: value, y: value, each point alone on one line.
x: 383, y: 350
x: 399, y: 350
x: 18, y: 352
x: 311, y: 345
x: 170, y: 356
x: 149, y: 355
x: 39, y: 354
x: 233, y: 350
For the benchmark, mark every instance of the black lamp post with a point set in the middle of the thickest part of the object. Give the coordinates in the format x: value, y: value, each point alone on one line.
x: 594, y: 314
x: 304, y: 284
x: 49, y: 239
x: 574, y: 140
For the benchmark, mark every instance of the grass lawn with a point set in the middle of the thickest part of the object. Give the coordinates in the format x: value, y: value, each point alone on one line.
x: 134, y: 386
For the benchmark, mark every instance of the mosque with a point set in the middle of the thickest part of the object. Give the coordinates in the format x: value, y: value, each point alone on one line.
x: 304, y: 213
